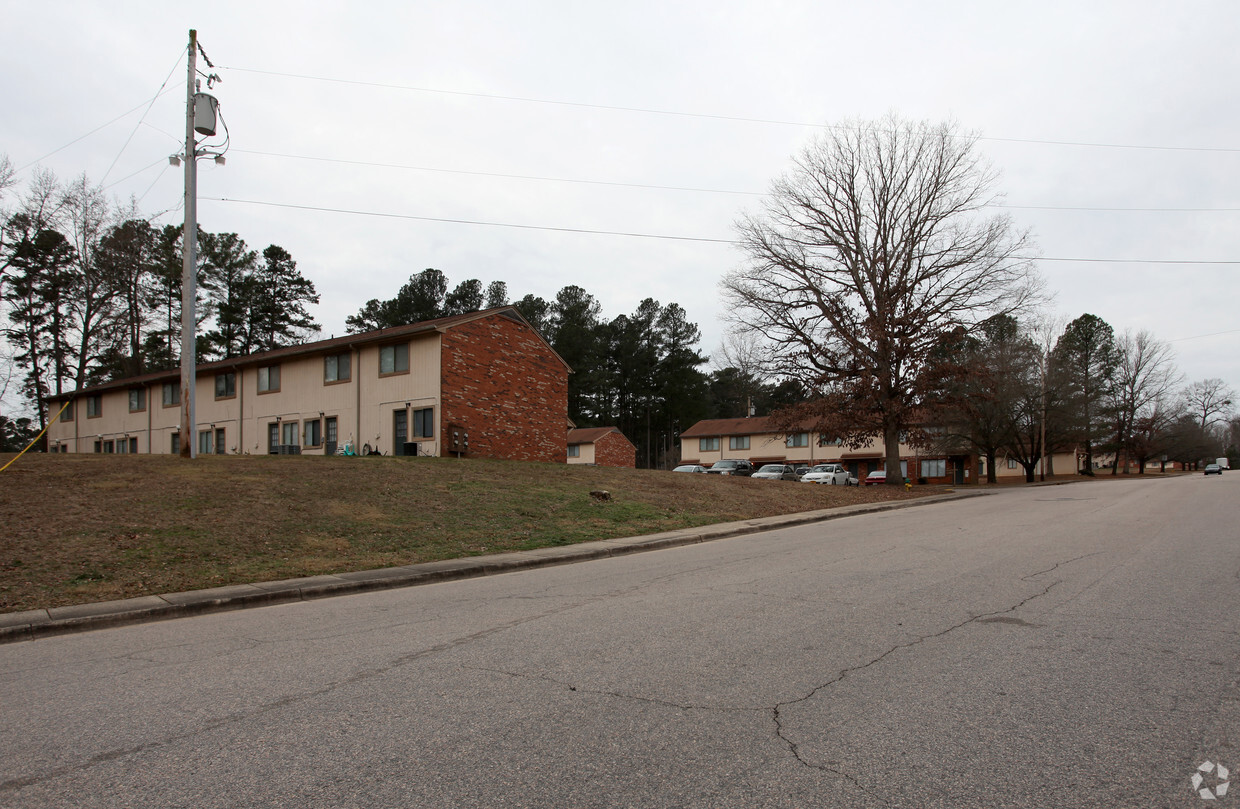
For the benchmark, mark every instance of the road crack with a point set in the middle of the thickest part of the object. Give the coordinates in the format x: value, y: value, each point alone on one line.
x: 778, y: 711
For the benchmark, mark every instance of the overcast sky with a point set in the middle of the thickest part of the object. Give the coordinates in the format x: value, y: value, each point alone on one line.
x: 654, y: 118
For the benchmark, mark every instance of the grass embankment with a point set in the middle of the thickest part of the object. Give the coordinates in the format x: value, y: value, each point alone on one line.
x: 84, y: 528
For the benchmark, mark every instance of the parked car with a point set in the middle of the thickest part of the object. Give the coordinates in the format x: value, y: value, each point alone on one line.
x: 801, y: 470
x: 731, y: 467
x: 1213, y: 469
x: 776, y: 471
x: 875, y: 477
x: 690, y: 467
x: 832, y: 474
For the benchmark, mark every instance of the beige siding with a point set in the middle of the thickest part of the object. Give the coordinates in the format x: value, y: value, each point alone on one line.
x: 766, y: 445
x: 587, y: 454
x: 303, y: 395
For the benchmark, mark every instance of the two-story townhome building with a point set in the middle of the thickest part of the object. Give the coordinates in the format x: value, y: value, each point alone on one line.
x: 756, y: 439
x: 483, y: 384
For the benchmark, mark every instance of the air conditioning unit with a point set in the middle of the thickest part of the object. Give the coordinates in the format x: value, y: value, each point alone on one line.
x: 410, y: 448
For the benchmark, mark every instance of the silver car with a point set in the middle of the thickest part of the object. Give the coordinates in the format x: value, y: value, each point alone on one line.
x: 776, y: 471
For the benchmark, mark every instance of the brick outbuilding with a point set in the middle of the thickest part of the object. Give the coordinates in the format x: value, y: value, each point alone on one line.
x: 601, y: 446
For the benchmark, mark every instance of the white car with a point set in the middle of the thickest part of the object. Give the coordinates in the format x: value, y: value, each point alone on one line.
x: 691, y: 467
x: 832, y: 474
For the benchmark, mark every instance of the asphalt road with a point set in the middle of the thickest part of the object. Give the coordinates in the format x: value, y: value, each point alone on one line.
x: 1067, y: 646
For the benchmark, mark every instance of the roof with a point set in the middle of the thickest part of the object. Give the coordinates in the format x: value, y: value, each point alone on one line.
x: 751, y: 426
x: 438, y: 325
x: 589, y: 435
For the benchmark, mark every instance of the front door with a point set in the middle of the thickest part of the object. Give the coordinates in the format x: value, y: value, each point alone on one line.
x: 273, y: 439
x: 400, y: 422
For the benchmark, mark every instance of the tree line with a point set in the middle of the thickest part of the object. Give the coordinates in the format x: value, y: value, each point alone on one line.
x: 90, y: 291
x: 1027, y: 394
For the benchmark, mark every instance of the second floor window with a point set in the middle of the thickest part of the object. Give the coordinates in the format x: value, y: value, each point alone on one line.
x: 738, y: 442
x: 94, y: 406
x: 172, y: 394
x: 336, y: 368
x: 137, y: 399
x: 708, y: 444
x: 225, y: 385
x: 394, y: 359
x: 797, y: 440
x: 269, y: 379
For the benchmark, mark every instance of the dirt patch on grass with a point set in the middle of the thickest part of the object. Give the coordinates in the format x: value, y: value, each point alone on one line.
x: 83, y: 528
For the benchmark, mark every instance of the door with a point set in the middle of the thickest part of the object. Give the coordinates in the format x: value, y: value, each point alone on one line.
x: 400, y: 423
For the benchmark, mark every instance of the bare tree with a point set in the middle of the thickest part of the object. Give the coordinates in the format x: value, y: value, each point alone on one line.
x: 86, y: 212
x: 1210, y: 400
x: 1145, y: 380
x: 866, y: 256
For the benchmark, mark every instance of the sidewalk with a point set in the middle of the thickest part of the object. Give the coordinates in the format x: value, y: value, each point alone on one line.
x: 33, y: 624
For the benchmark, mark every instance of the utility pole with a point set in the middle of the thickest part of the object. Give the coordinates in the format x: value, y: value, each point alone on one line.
x: 189, y: 240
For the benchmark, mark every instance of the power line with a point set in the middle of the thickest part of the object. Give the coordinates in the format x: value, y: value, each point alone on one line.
x: 695, y: 189
x: 1200, y: 336
x: 93, y: 131
x: 634, y: 234
x: 475, y: 222
x: 707, y: 116
x: 497, y: 174
x: 136, y: 126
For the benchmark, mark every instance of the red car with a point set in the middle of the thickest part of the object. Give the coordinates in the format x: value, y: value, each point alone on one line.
x: 877, y: 476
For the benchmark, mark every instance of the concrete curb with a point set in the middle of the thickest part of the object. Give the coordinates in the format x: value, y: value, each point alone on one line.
x: 33, y: 624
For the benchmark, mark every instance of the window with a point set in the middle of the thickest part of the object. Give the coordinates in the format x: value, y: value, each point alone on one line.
x: 394, y: 359
x: 797, y: 440
x: 312, y: 436
x: 67, y: 415
x: 825, y: 440
x: 934, y: 469
x: 738, y: 442
x: 708, y: 444
x: 219, y: 441
x: 288, y: 434
x: 205, y: 445
x: 269, y: 379
x: 94, y: 406
x: 172, y: 394
x: 225, y: 385
x: 336, y: 368
x: 424, y: 423
x: 133, y: 445
x: 98, y: 446
x: 574, y: 450
x: 109, y: 447
x: 1011, y: 463
x: 137, y: 399
x: 175, y: 444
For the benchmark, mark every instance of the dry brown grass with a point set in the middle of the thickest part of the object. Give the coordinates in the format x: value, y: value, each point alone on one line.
x: 83, y: 528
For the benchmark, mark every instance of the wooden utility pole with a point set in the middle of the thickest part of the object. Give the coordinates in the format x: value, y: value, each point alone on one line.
x: 189, y: 279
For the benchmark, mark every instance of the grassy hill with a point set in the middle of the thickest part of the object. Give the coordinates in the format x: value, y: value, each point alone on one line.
x: 83, y: 528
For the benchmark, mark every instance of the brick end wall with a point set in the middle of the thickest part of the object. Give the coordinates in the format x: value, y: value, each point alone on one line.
x: 506, y: 389
x: 614, y: 449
